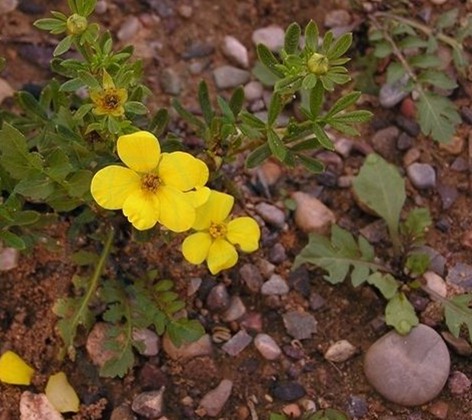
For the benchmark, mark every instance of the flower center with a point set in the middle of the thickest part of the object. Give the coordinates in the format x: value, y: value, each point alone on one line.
x: 150, y: 182
x: 217, y: 230
x: 111, y: 100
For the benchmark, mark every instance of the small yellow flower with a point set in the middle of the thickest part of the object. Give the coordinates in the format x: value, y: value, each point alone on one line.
x: 14, y: 370
x: 109, y: 100
x: 217, y: 236
x: 318, y: 64
x: 76, y: 24
x: 154, y: 187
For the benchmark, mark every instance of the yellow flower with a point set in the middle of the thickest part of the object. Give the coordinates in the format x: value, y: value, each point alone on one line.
x: 110, y: 99
x: 14, y: 370
x: 154, y: 187
x: 217, y: 236
x: 61, y: 394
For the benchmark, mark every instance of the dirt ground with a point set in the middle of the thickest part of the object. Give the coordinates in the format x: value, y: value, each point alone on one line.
x: 28, y: 292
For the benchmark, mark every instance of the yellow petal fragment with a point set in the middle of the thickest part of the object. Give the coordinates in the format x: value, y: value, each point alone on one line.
x: 112, y: 185
x: 139, y: 151
x: 222, y: 255
x: 216, y: 209
x: 177, y: 212
x: 61, y: 394
x: 142, y: 209
x: 195, y: 247
x: 182, y: 171
x: 199, y: 196
x: 245, y: 232
x: 14, y: 370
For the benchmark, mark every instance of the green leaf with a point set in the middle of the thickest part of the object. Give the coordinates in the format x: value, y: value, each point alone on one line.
x: 275, y: 416
x: 12, y: 240
x: 382, y: 49
x: 188, y: 116
x: 424, y: 61
x: 351, y: 117
x: 289, y: 83
x: 311, y: 36
x: 412, y: 42
x: 135, y: 107
x: 85, y: 257
x: 58, y: 165
x: 63, y: 46
x: 447, y: 19
x: 89, y: 80
x: 30, y: 104
x: 204, y: 100
x: 343, y: 102
x: 438, y: 79
x: 338, y: 255
x: 328, y: 414
x: 437, y: 116
x: 264, y: 75
x: 312, y: 164
x: 79, y: 183
x: 35, y: 188
x: 276, y: 145
x: 50, y: 24
x: 72, y: 85
x: 236, y: 101
x: 184, y: 330
x: 400, y: 314
x: 457, y: 312
x: 292, y: 38
x: 340, y: 46
x: 417, y: 263
x: 25, y: 217
x: 258, y: 155
x: 381, y: 188
x: 268, y: 59
x: 322, y: 137
x: 316, y: 99
x: 309, y: 81
x: 385, y: 283
x: 120, y: 344
x: 395, y: 72
x: 159, y: 122
x: 416, y: 224
x: 275, y: 108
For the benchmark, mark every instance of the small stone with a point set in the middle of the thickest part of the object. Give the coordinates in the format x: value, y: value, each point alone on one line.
x: 8, y: 258
x: 316, y: 301
x: 466, y: 113
x: 230, y: 77
x: 436, y: 284
x: 454, y: 147
x: 149, y: 404
x: 237, y: 343
x: 460, y: 164
x: 460, y: 345
x: 311, y: 215
x: 251, y: 278
x: 170, y: 81
x: 408, y: 370
x: 37, y: 407
x: 408, y: 108
x: 101, y: 7
x: 404, y: 141
x: 276, y: 285
x: 448, y: 194
x: 375, y: 232
x: 218, y: 298
x: 411, y: 156
x: 438, y: 2
x: 458, y: 383
x: 129, y: 29
x: 422, y: 175
x: 271, y: 36
x: 96, y: 344
x: 460, y: 275
x: 293, y: 411
x: 202, y: 347
x: 194, y: 285
x: 253, y: 91
x: 235, y: 51
x: 409, y: 126
x: 197, y: 49
x: 288, y: 390
x: 267, y: 346
x: 236, y: 310
x: 437, y: 262
x: 6, y: 91
x: 340, y: 351
x: 252, y: 321
x: 392, y: 94
x: 337, y: 18
x: 300, y: 280
x: 7, y: 6
x: 185, y: 11
x: 343, y: 146
x: 271, y: 214
x: 266, y: 268
x: 213, y: 402
x: 357, y: 406
x: 277, y: 254
x: 148, y: 340
x: 300, y: 325
x: 122, y: 412
x: 439, y: 409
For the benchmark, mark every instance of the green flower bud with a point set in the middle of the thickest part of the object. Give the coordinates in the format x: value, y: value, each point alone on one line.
x: 318, y: 64
x: 76, y: 24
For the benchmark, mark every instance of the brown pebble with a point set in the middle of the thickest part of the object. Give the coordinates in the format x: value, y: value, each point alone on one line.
x: 439, y: 409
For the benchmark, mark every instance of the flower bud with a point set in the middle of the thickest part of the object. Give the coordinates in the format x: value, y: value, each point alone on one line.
x: 76, y: 24
x: 318, y: 64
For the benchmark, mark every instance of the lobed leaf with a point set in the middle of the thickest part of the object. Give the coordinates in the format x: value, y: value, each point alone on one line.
x: 400, y: 314
x: 457, y: 312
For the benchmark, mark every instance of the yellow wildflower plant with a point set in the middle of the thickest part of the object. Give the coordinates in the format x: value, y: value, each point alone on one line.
x: 154, y: 187
x: 109, y: 100
x: 14, y: 370
x: 217, y: 235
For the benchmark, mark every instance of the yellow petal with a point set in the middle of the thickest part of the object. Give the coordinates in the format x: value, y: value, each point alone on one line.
x: 245, y: 232
x: 14, y: 370
x: 199, y: 196
x: 107, y: 81
x: 177, y: 212
x: 222, y: 255
x: 182, y: 171
x: 112, y: 185
x: 61, y: 394
x: 139, y: 151
x: 216, y: 209
x: 142, y: 209
x: 195, y: 247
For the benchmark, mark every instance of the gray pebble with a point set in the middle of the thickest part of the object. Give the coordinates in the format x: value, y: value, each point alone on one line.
x: 276, y: 285
x: 408, y: 370
x: 311, y: 215
x: 460, y: 345
x: 392, y: 94
x: 461, y: 275
x: 202, y: 347
x: 384, y: 141
x: 271, y: 214
x: 197, y: 50
x: 316, y: 301
x: 422, y: 175
x: 236, y: 310
x: 218, y: 298
x: 267, y: 346
x: 337, y: 18
x: 8, y: 258
x: 458, y: 383
x: 213, y: 402
x: 101, y: 7
x: 251, y: 278
x: 271, y: 36
x: 235, y: 51
x: 230, y: 77
x: 404, y: 141
x: 129, y: 28
x: 148, y: 341
x: 340, y: 351
x: 237, y: 343
x: 357, y: 406
x: 170, y: 81
x: 253, y: 91
x: 437, y: 262
x: 277, y: 254
x: 149, y: 404
x: 448, y: 194
x: 288, y: 391
x: 411, y: 127
x: 300, y: 325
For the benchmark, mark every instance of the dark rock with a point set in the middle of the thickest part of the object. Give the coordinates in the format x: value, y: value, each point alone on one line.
x: 151, y: 377
x: 288, y: 391
x: 411, y: 127
x: 357, y: 406
x: 31, y: 7
x: 384, y: 141
x: 218, y: 299
x: 197, y: 50
x: 299, y: 280
x: 327, y: 179
x: 404, y: 142
x: 448, y: 194
x: 277, y: 254
x: 466, y: 114
x: 251, y: 278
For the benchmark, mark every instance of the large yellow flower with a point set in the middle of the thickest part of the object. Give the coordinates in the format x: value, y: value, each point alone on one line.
x: 109, y: 100
x: 217, y: 236
x: 155, y: 187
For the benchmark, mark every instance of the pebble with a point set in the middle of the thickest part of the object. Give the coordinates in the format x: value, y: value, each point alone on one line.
x: 455, y: 145
x: 271, y: 214
x: 129, y: 29
x: 458, y: 383
x: 460, y: 164
x: 340, y: 351
x: 122, y: 412
x: 8, y: 258
x: 343, y: 146
x: 198, y: 49
x: 149, y: 404
x: 230, y: 77
x: 311, y: 215
x: 384, y: 141
x: 405, y: 141
x: 202, y: 347
x: 288, y: 391
x: 37, y: 407
x: 6, y: 91
x: 300, y: 325
x: 300, y: 280
x: 357, y: 406
x: 437, y: 262
x: 194, y: 285
x: 213, y: 402
x: 408, y: 108
x: 375, y: 232
x: 276, y: 285
x: 411, y: 156
x: 392, y: 94
x: 170, y: 81
x: 293, y: 411
x: 218, y: 299
x: 251, y: 278
x: 460, y: 345
x: 448, y: 194
x: 237, y: 343
x: 252, y: 321
x: 337, y: 18
x: 271, y: 36
x: 438, y: 2
x: 422, y: 175
x: 185, y: 11
x: 466, y: 114
x: 267, y: 346
x: 436, y: 283
x: 236, y: 310
x: 408, y: 370
x: 439, y: 409
x: 148, y: 340
x: 316, y: 301
x: 235, y: 51
x: 7, y: 6
x: 252, y: 92
x: 101, y: 7
x: 96, y: 347
x: 411, y: 127
x: 277, y: 254
x: 461, y: 275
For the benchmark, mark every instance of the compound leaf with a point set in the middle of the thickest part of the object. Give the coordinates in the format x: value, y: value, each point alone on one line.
x: 458, y: 312
x: 400, y: 314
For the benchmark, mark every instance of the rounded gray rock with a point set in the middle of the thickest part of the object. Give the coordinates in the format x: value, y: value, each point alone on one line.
x: 421, y: 175
x: 408, y: 370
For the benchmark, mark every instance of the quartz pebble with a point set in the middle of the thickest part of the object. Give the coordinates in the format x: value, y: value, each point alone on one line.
x: 408, y: 370
x: 235, y: 51
x: 129, y: 28
x: 213, y: 402
x: 276, y: 285
x: 237, y: 343
x: 271, y: 36
x: 201, y: 347
x: 267, y: 346
x: 253, y: 91
x: 149, y: 404
x: 421, y: 175
x: 37, y: 407
x: 392, y: 94
x: 311, y: 215
x: 149, y: 341
x: 271, y: 214
x: 6, y: 91
x: 8, y: 258
x: 436, y: 284
x: 340, y: 351
x: 251, y: 278
x: 236, y: 309
x: 7, y: 6
x: 230, y: 77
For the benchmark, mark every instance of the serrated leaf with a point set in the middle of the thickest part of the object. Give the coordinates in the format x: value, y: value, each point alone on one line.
x: 400, y: 314
x: 38, y: 187
x: 268, y: 59
x: 457, y: 312
x: 385, y: 283
x: 312, y: 164
x: 31, y: 104
x: 337, y: 255
x: 292, y: 38
x: 290, y: 83
x: 437, y: 78
x: 120, y: 363
x: 416, y: 223
x: 437, y: 116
